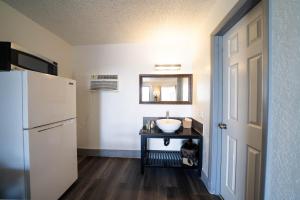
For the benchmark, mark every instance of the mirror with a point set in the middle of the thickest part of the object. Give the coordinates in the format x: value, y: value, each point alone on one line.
x: 166, y: 89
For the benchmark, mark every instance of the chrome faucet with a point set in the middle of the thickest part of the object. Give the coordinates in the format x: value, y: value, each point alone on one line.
x: 167, y: 114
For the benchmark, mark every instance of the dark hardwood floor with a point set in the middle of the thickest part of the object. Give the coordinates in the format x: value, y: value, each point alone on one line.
x: 120, y: 179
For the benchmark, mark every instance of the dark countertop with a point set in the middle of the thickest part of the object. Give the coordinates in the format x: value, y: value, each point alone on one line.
x: 180, y: 133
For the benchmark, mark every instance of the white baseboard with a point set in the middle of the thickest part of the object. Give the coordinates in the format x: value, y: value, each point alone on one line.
x: 206, y: 182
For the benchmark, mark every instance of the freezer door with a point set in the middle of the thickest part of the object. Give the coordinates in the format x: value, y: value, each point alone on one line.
x: 51, y: 159
x: 47, y: 99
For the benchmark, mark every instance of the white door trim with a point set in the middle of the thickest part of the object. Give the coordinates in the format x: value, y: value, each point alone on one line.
x: 237, y: 13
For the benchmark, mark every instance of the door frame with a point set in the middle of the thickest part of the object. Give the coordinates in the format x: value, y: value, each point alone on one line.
x: 215, y: 139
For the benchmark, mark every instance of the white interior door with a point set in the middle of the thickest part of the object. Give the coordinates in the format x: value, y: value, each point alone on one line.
x: 51, y: 159
x: 47, y: 99
x: 242, y: 108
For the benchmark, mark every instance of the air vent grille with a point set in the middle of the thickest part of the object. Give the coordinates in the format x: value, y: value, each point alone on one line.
x: 104, y: 82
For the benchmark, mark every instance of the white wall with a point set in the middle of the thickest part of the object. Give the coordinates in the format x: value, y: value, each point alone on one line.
x: 201, y: 70
x: 283, y: 160
x: 112, y: 120
x: 18, y: 28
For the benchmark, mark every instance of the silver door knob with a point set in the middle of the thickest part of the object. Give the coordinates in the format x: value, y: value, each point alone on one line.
x: 222, y: 126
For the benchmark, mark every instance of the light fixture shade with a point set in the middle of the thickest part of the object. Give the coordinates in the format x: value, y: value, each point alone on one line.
x: 168, y: 67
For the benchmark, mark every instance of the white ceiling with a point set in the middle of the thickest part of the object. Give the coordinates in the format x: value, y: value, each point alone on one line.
x: 82, y: 22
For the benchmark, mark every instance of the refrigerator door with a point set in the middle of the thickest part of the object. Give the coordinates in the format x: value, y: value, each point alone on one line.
x: 51, y: 159
x: 47, y: 99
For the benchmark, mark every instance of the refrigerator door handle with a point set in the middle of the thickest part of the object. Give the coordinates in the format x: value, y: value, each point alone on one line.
x: 50, y: 128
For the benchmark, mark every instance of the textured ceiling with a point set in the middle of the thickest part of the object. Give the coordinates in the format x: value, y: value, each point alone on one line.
x: 82, y: 22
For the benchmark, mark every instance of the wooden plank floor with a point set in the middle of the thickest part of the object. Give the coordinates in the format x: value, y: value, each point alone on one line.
x: 120, y: 179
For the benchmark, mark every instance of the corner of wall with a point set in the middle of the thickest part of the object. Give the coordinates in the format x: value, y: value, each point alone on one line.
x: 206, y: 181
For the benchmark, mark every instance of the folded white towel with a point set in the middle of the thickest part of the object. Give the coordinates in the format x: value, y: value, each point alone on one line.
x: 187, y: 161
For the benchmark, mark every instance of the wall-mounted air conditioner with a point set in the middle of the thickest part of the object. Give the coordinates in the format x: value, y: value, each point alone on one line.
x: 104, y: 82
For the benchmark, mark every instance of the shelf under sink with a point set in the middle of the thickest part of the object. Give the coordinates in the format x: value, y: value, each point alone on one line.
x: 172, y: 159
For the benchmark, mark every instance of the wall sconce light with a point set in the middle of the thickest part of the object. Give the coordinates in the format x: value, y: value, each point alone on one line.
x: 168, y: 67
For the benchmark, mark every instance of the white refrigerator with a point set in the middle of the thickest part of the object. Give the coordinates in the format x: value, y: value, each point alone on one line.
x: 38, y: 158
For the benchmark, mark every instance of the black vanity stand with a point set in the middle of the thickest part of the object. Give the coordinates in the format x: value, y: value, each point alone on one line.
x: 168, y: 159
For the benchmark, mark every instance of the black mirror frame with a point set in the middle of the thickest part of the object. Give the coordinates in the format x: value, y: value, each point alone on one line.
x: 189, y: 76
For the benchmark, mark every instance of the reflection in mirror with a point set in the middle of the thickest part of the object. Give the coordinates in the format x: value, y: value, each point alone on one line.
x: 165, y: 89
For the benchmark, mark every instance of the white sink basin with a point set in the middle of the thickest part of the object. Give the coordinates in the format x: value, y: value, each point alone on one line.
x: 168, y: 125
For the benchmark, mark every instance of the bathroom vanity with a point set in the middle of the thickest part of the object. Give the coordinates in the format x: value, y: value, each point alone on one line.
x: 169, y: 159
